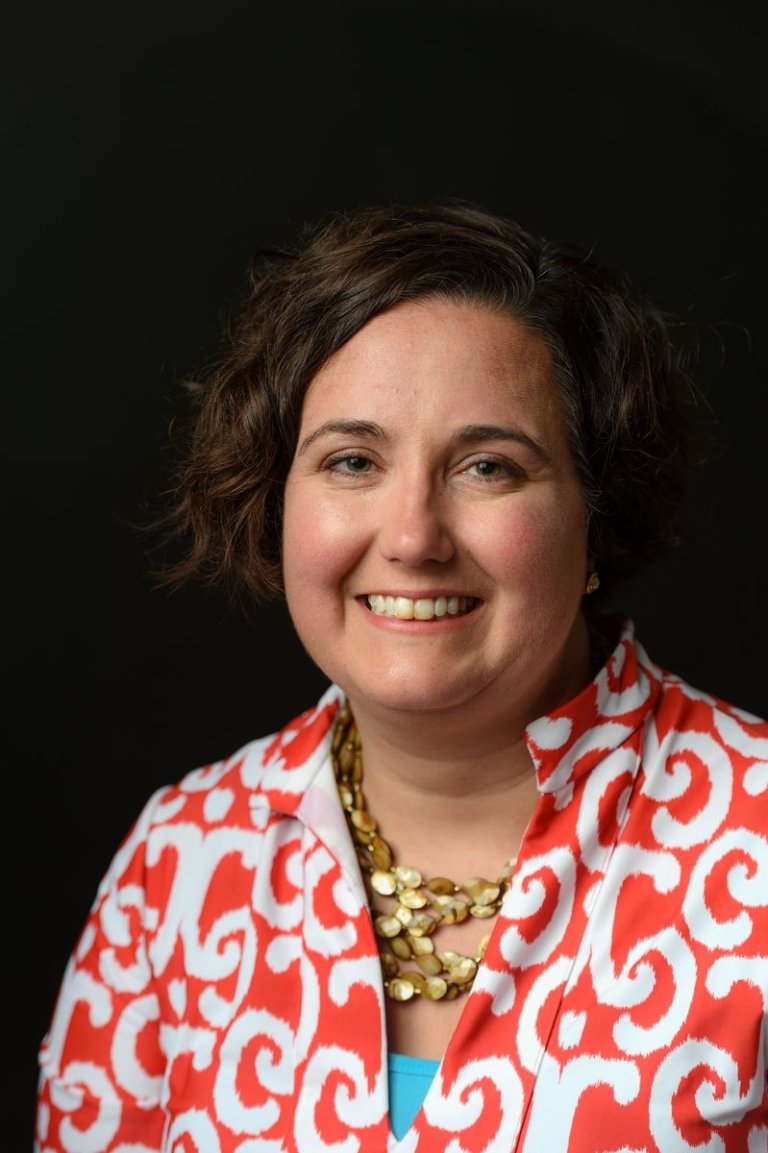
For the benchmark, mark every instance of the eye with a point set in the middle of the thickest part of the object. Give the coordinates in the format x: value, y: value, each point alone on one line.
x: 353, y: 464
x: 489, y: 468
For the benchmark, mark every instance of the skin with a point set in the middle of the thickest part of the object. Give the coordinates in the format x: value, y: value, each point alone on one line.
x: 433, y: 461
x: 415, y: 497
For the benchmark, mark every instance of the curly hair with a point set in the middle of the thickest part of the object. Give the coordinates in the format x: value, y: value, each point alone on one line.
x: 622, y: 379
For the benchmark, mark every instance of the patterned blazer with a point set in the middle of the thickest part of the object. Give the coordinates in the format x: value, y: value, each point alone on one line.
x: 226, y: 994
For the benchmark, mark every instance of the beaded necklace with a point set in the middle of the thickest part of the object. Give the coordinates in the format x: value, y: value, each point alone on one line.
x: 419, y: 907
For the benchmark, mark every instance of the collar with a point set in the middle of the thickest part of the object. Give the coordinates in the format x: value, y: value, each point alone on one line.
x: 568, y: 742
x: 298, y: 780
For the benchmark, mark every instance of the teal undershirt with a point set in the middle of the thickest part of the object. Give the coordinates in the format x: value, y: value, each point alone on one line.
x: 409, y: 1080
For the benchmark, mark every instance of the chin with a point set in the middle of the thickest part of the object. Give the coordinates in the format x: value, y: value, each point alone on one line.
x: 411, y: 692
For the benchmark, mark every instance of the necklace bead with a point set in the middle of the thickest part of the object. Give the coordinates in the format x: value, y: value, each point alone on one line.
x: 420, y: 907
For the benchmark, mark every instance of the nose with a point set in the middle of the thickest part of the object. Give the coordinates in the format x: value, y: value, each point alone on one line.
x: 415, y: 526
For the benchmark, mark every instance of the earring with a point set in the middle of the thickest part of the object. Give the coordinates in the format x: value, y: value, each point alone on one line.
x: 593, y: 584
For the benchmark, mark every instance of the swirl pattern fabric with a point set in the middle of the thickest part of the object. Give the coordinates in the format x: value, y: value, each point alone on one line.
x: 225, y: 995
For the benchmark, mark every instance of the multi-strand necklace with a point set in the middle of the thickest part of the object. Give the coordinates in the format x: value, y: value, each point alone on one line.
x: 418, y: 907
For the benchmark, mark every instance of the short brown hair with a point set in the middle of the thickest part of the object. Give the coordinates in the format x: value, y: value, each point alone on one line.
x: 622, y: 379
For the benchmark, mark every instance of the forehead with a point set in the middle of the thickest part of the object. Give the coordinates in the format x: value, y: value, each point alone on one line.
x: 435, y: 351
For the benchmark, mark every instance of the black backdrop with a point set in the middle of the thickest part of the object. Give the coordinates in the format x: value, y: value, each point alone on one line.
x: 150, y: 150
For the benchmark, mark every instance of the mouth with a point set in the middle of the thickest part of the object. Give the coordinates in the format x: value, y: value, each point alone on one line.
x: 420, y: 609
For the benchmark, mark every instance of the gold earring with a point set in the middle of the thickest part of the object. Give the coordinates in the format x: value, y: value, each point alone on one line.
x: 593, y: 584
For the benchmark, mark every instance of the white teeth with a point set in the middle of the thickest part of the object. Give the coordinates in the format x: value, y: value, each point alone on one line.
x: 423, y: 609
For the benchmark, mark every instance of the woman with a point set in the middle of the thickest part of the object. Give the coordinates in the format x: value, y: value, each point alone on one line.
x: 504, y: 886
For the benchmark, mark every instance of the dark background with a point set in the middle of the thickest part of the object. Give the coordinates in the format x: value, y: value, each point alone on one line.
x: 152, y: 149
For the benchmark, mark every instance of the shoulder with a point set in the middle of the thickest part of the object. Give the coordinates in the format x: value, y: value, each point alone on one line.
x: 709, y: 751
x: 267, y: 774
x: 684, y: 708
x: 220, y: 811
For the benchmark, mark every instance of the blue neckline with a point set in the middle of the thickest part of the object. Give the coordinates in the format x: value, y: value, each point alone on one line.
x: 418, y: 1066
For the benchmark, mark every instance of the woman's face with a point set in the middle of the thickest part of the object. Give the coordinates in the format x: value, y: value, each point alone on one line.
x: 434, y: 540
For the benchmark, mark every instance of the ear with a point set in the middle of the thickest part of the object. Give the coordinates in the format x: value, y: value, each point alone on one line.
x: 591, y: 577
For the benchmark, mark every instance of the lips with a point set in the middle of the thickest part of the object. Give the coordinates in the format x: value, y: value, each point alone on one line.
x: 420, y: 609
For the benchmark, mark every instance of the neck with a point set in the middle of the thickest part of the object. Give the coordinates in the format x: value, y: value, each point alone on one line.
x: 461, y: 814
x: 460, y: 783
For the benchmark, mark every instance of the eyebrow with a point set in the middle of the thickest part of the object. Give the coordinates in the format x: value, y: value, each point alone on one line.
x: 480, y: 432
x: 364, y: 428
x: 470, y: 434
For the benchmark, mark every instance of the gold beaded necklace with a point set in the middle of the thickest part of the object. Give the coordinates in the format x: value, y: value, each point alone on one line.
x: 419, y: 907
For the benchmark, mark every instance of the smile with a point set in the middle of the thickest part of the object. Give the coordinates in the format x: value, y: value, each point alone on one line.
x: 422, y: 609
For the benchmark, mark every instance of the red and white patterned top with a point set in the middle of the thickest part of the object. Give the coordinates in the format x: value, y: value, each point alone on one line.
x: 226, y: 994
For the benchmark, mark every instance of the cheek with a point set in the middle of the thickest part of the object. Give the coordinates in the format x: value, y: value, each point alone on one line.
x: 317, y: 541
x: 544, y: 547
